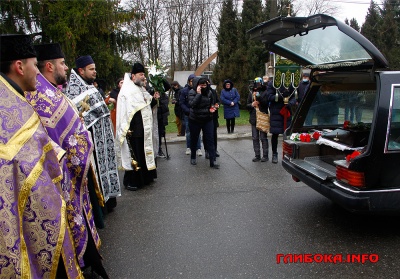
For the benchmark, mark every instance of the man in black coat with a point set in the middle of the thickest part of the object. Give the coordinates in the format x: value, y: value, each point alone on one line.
x: 202, y: 108
x: 215, y: 119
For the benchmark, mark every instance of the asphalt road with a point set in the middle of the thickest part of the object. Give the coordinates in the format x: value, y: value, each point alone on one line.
x: 197, y: 222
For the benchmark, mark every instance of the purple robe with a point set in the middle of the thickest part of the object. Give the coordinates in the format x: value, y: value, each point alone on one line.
x: 64, y: 126
x: 34, y: 231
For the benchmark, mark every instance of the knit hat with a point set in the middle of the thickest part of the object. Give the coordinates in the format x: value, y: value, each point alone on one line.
x: 83, y: 61
x: 49, y: 52
x: 137, y: 68
x: 191, y: 76
x: 227, y: 81
x: 15, y: 47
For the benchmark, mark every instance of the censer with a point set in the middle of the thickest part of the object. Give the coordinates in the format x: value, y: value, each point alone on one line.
x: 134, y: 163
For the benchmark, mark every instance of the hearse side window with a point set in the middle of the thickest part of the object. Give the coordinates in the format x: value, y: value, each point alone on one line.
x: 335, y: 107
x: 394, y: 128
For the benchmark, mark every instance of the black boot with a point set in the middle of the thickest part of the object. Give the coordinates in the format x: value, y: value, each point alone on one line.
x: 256, y: 158
x: 214, y: 165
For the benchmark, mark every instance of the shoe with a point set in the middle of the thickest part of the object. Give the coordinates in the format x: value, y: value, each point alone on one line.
x: 199, y: 153
x: 264, y: 159
x: 193, y: 161
x: 131, y: 188
x: 207, y: 155
x: 256, y: 159
x: 275, y: 158
x: 188, y: 152
x: 216, y: 153
x: 215, y: 166
x: 161, y: 155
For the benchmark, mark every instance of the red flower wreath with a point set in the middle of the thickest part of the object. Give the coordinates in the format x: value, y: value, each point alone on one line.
x: 316, y: 135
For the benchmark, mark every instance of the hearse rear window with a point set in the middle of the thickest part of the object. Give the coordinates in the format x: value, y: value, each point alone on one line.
x: 393, y: 135
x: 322, y: 46
x: 335, y: 107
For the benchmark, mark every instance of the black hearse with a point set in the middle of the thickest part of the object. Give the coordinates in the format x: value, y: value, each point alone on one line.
x: 344, y: 139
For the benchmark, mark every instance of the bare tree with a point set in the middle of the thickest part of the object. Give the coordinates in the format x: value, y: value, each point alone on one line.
x: 178, y: 32
x: 178, y: 15
x: 307, y: 8
x: 152, y: 29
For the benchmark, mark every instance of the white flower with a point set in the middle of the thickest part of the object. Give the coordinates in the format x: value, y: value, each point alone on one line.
x: 72, y: 140
x: 152, y: 70
x: 294, y: 136
x: 157, y: 73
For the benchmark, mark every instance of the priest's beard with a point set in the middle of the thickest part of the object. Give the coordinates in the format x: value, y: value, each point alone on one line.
x: 139, y: 83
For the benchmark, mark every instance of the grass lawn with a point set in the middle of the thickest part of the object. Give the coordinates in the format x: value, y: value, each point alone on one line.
x: 242, y: 120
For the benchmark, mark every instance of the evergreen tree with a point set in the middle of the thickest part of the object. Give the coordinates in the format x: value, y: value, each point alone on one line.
x: 354, y: 24
x: 370, y: 28
x: 389, y: 34
x: 251, y: 54
x: 267, y: 10
x: 226, y: 67
x: 81, y: 27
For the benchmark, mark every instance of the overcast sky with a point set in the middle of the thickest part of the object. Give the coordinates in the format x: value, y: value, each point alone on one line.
x: 346, y: 9
x: 353, y: 9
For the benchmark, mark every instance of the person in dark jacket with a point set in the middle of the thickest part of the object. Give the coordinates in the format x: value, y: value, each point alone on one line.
x: 162, y: 114
x: 280, y: 102
x: 162, y: 117
x: 180, y: 124
x: 302, y: 90
x: 303, y: 86
x: 230, y: 99
x: 215, y: 118
x: 202, y: 104
x: 184, y: 102
x: 259, y: 98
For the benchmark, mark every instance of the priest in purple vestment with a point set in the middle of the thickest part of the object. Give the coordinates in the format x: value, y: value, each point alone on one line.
x: 61, y: 120
x: 35, y: 239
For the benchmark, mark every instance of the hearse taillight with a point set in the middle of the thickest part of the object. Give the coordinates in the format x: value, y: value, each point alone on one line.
x: 352, y: 178
x: 287, y: 149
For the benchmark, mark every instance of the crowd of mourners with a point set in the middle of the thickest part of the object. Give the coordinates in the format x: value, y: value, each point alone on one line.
x: 63, y: 142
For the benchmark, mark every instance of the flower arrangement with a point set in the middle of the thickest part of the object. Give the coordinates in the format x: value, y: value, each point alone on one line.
x: 305, y: 137
x: 360, y: 126
x: 157, y: 74
x: 214, y: 108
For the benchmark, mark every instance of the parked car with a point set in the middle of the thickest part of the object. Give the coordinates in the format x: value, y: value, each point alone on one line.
x: 344, y: 139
